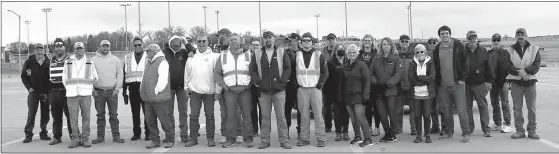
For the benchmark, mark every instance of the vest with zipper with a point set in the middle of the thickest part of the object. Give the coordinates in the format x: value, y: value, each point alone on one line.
x: 271, y: 80
x: 236, y: 71
x: 308, y: 77
x: 149, y: 81
x: 132, y: 69
x: 522, y: 62
x: 79, y: 79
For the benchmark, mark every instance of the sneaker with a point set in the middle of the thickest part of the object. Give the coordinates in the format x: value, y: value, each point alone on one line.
x: 320, y: 144
x: 466, y: 139
x: 506, y: 129
x: 301, y: 143
x: 345, y: 136
x: 366, y: 142
x: 487, y: 134
x: 55, y: 141
x: 223, y: 140
x: 86, y: 143
x: 74, y: 144
x: 445, y: 136
x: 211, y: 142
x: 264, y: 145
x: 98, y: 140
x: 417, y: 139
x: 184, y: 139
x: 534, y: 136
x: 338, y: 137
x: 169, y: 144
x: 428, y: 139
x: 117, y: 139
x: 147, y: 138
x: 46, y: 138
x: 248, y: 143
x: 376, y: 132
x: 285, y: 145
x: 230, y: 143
x: 392, y: 138
x: 496, y: 128
x: 191, y: 143
x: 518, y: 135
x: 435, y: 130
x: 355, y: 140
x: 152, y: 145
x: 27, y: 140
x: 413, y: 133
x: 134, y: 138
x: 239, y: 139
x: 385, y: 138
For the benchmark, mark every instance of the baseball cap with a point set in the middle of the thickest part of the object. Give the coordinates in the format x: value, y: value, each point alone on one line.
x: 153, y: 47
x: 331, y: 35
x: 496, y: 35
x: 79, y: 45
x: 307, y: 34
x: 520, y: 30
x: 224, y: 31
x: 105, y: 42
x: 432, y: 39
x: 39, y: 45
x: 58, y: 41
x: 471, y: 33
x: 255, y: 43
x: 403, y: 37
x: 294, y: 36
x: 268, y: 33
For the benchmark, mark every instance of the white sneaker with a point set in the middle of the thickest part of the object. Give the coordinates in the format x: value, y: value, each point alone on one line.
x: 506, y: 129
x: 240, y: 139
x: 496, y: 128
x: 223, y: 140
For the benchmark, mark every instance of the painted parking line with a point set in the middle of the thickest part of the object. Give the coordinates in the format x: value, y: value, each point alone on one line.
x: 21, y: 139
x: 549, y: 143
x: 551, y: 85
x: 162, y: 149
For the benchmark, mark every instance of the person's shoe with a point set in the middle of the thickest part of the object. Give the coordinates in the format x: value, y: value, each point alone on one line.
x: 338, y: 137
x: 398, y: 132
x: 376, y: 132
x: 301, y: 143
x: 385, y: 137
x: 169, y: 144
x: 184, y: 139
x: 264, y: 145
x: 466, y: 139
x: 248, y: 143
x: 428, y: 139
x: 55, y: 141
x: 98, y: 140
x: 46, y: 138
x: 366, y: 142
x: 445, y: 136
x: 229, y: 143
x: 86, y: 143
x: 435, y: 130
x: 117, y: 139
x: 134, y: 138
x: 191, y: 143
x: 496, y: 128
x: 211, y: 142
x: 27, y: 139
x: 223, y: 140
x: 285, y: 145
x: 392, y: 138
x: 356, y: 139
x: 147, y: 138
x: 506, y: 129
x: 413, y: 132
x: 320, y: 144
x: 345, y: 136
x: 417, y: 139
x: 518, y: 135
x: 533, y: 135
x: 328, y: 130
x: 74, y: 144
x: 487, y: 134
x: 152, y: 145
x: 239, y: 139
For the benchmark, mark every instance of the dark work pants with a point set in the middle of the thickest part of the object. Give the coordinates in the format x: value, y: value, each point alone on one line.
x: 33, y: 104
x: 500, y: 100
x: 59, y: 107
x: 234, y: 101
x: 135, y: 104
x: 450, y: 96
x: 387, y: 110
x: 223, y: 109
x: 256, y: 115
x: 372, y: 111
x: 477, y: 92
x: 290, y: 104
x: 422, y: 112
x: 159, y: 110
x: 106, y: 98
x: 436, y: 112
x: 341, y: 119
x: 327, y: 111
x: 182, y: 103
x: 196, y: 102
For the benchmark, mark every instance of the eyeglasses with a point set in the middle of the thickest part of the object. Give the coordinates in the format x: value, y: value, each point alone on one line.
x: 105, y: 45
x: 78, y: 48
x: 419, y: 52
x: 496, y: 40
x: 405, y: 41
x: 473, y: 37
x: 201, y: 41
x: 137, y: 45
x: 58, y: 45
x: 432, y: 43
x: 307, y: 40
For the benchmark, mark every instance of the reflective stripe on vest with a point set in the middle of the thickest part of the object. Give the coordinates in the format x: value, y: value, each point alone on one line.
x: 527, y: 59
x: 308, y: 77
x: 236, y: 72
x: 56, y: 69
x: 133, y: 74
x: 87, y: 79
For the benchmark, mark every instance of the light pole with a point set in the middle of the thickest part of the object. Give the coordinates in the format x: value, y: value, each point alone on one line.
x: 139, y: 22
x: 125, y: 25
x: 18, y: 40
x: 217, y: 14
x: 27, y: 22
x: 205, y: 24
x: 259, y: 22
x: 47, y: 10
x: 345, y: 4
x: 317, y: 16
x: 169, y: 13
x: 410, y: 21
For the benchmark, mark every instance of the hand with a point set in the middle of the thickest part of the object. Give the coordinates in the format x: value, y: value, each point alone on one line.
x: 319, y: 86
x: 488, y: 86
x: 115, y: 93
x: 94, y: 94
x: 31, y: 90
x: 522, y: 72
x: 461, y: 82
x: 217, y: 96
x: 226, y: 87
x: 43, y: 97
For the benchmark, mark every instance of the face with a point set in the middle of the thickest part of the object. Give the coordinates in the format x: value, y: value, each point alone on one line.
x: 255, y: 46
x: 307, y: 42
x: 79, y: 51
x: 234, y: 42
x: 105, y: 49
x: 59, y: 49
x: 331, y: 42
x: 421, y: 54
x: 431, y: 44
x: 202, y: 42
x: 520, y: 37
x: 386, y: 47
x: 137, y: 46
x: 223, y: 39
x: 496, y: 42
x: 444, y: 35
x: 405, y: 43
x: 352, y: 54
x: 39, y: 52
x: 176, y: 44
x: 294, y: 44
x: 368, y: 42
x: 472, y: 41
x: 269, y: 41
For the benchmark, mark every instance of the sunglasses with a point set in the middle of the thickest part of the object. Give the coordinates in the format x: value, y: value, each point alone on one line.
x: 432, y: 43
x: 405, y: 41
x: 496, y: 40
x: 137, y: 45
x: 472, y: 37
x: 105, y: 45
x: 201, y: 41
x: 58, y: 45
x: 79, y: 48
x: 419, y: 52
x: 307, y: 40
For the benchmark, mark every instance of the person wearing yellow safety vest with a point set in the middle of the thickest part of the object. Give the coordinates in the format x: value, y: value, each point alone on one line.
x: 312, y: 71
x: 232, y: 73
x: 524, y: 65
x: 78, y: 78
x: 134, y: 65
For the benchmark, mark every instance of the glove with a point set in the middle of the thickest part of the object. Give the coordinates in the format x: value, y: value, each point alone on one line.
x: 125, y: 99
x: 43, y: 97
x: 319, y: 86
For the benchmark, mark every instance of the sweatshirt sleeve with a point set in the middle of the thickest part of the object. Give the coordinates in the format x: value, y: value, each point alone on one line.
x: 286, y: 68
x: 119, y: 74
x: 94, y: 73
x: 163, y: 78
x: 323, y: 70
x: 24, y: 77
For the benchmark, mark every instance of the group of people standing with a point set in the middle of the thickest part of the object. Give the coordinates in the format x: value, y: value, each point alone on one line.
x: 336, y: 83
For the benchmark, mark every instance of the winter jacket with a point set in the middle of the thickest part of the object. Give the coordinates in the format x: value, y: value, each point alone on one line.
x: 356, y: 83
x: 499, y: 61
x: 270, y: 79
x: 422, y: 80
x: 387, y: 71
x: 480, y: 67
x: 177, y: 62
x: 292, y: 82
x: 460, y: 59
x: 368, y: 58
x: 333, y: 85
x: 530, y: 70
x: 407, y: 58
x: 38, y: 76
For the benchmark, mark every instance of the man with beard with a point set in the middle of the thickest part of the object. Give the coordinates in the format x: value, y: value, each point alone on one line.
x: 291, y: 88
x: 57, y: 94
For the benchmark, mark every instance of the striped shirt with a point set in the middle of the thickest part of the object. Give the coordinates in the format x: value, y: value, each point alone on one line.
x: 55, y: 72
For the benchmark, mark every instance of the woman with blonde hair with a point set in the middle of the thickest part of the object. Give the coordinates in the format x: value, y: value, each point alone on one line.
x: 367, y: 54
x: 386, y: 71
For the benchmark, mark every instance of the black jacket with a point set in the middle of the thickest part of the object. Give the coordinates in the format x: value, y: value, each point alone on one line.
x: 460, y: 59
x: 368, y: 59
x: 532, y: 69
x: 429, y: 79
x: 177, y: 62
x: 406, y: 58
x: 332, y: 87
x: 355, y: 83
x: 499, y: 61
x: 39, y: 78
x: 292, y: 83
x: 481, y: 70
x: 387, y: 72
x: 270, y: 81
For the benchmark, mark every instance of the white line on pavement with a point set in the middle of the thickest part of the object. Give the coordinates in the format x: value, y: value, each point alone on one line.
x: 21, y: 139
x: 549, y: 143
x: 163, y: 149
x: 355, y: 148
x: 548, y: 85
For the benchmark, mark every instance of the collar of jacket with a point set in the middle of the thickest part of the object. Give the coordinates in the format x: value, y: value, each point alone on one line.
x: 427, y: 59
x: 208, y: 50
x: 516, y: 46
x: 103, y: 56
x: 158, y: 54
x: 264, y: 48
x: 33, y: 58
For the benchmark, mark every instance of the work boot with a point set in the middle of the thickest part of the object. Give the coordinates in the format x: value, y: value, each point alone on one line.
x: 229, y: 143
x: 355, y: 140
x: 435, y: 130
x: 264, y: 145
x: 152, y: 145
x: 191, y: 143
x: 169, y: 144
x: 184, y: 139
x: 301, y: 143
x: 533, y: 135
x: 417, y: 139
x: 345, y: 136
x: 338, y: 137
x: 487, y: 134
x: 134, y: 138
x: 55, y: 141
x: 74, y: 144
x: 211, y: 142
x: 86, y: 143
x: 320, y: 143
x: 466, y: 139
x: 428, y: 139
x: 45, y: 137
x: 285, y: 145
x: 518, y: 135
x: 27, y: 139
x: 248, y: 143
x: 98, y: 140
x: 117, y: 139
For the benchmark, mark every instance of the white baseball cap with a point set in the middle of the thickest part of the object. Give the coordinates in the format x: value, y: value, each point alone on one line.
x: 79, y: 45
x: 105, y: 42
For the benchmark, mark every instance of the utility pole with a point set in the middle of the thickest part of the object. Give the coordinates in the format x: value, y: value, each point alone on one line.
x: 169, y: 13
x: 205, y: 24
x: 345, y: 5
x: 27, y: 22
x: 317, y: 16
x: 18, y: 40
x: 125, y: 26
x: 139, y: 21
x: 259, y: 22
x: 47, y: 10
x: 217, y: 13
x: 411, y: 24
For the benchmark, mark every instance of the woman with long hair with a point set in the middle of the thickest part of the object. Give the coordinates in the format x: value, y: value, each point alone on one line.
x: 367, y: 54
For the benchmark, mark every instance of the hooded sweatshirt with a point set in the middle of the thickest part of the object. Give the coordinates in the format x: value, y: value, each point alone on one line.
x: 199, y: 72
x: 109, y: 70
x: 177, y: 62
x: 421, y: 76
x: 38, y: 75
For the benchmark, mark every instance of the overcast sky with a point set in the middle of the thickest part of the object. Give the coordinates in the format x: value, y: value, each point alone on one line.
x: 380, y: 19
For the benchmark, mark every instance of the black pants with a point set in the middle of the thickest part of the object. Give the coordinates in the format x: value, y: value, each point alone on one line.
x: 33, y: 104
x: 255, y: 113
x: 341, y: 118
x: 372, y: 111
x: 59, y: 107
x: 135, y: 104
x: 387, y: 110
x: 327, y: 111
x: 422, y: 112
x: 290, y: 103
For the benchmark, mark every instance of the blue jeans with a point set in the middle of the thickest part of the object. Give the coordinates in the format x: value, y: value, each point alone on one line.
x: 454, y: 95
